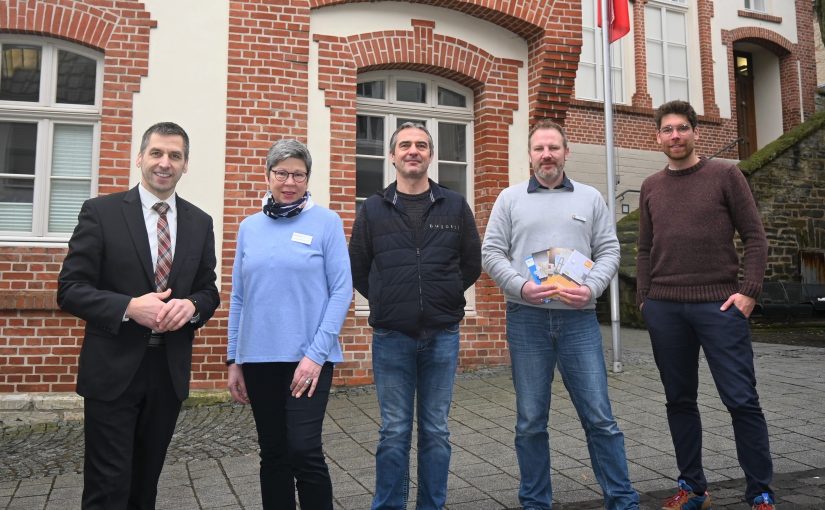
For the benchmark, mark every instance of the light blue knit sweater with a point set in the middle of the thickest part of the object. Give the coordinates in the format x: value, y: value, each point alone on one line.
x: 291, y: 288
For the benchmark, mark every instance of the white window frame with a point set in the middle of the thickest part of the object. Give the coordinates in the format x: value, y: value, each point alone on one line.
x: 756, y: 5
x: 432, y: 113
x: 619, y: 86
x: 46, y: 113
x: 663, y: 6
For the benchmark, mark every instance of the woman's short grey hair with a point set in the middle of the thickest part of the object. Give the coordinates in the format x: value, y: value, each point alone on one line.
x: 285, y: 149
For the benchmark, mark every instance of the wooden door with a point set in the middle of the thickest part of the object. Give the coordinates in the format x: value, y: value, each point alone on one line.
x: 745, y: 104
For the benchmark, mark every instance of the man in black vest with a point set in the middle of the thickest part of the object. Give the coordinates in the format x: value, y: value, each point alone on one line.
x: 414, y: 251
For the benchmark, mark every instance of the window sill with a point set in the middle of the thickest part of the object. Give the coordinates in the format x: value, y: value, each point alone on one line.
x: 759, y: 15
x: 35, y: 242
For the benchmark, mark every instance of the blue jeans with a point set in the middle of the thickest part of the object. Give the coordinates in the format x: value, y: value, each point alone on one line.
x: 540, y: 339
x: 677, y: 330
x: 403, y: 366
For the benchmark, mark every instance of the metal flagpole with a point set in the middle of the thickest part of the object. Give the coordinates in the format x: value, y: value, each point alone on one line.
x: 615, y: 320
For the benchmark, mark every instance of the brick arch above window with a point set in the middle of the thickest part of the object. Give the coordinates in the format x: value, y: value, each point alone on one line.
x: 526, y: 18
x: 420, y: 47
x: 121, y: 31
x: 553, y: 35
x: 493, y: 80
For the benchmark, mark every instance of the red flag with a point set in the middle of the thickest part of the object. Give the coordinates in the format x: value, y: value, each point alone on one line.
x: 619, y: 17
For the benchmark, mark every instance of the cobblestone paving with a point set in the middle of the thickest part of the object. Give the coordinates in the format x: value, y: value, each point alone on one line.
x: 212, y: 461
x: 202, y: 433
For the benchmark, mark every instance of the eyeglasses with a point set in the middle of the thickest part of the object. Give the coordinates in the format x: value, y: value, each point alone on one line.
x: 283, y: 175
x: 681, y: 129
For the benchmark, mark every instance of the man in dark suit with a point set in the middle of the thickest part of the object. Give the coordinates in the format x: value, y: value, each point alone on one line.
x: 140, y: 271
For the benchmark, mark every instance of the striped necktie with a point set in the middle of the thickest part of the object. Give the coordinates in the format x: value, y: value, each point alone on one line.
x: 164, y: 263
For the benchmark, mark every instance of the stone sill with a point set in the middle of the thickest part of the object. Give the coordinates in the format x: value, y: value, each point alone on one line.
x: 759, y: 15
x: 26, y: 409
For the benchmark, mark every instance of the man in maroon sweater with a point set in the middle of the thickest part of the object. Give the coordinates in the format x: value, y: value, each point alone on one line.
x: 691, y: 296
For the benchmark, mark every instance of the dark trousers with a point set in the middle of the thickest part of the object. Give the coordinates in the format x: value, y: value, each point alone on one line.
x: 127, y: 438
x: 677, y: 330
x: 289, y: 434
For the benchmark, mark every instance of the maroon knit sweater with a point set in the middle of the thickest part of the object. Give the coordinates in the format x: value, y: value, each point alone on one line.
x: 686, y: 231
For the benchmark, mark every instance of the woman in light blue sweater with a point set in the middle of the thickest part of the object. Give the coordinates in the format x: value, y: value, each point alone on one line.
x: 291, y: 289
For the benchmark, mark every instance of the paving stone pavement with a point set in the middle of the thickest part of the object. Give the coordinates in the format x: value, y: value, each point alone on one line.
x: 212, y: 462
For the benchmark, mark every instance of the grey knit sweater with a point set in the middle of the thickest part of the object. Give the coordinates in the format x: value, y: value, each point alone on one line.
x: 523, y: 223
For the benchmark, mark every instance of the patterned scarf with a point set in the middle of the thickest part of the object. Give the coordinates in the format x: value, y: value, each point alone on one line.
x: 275, y: 210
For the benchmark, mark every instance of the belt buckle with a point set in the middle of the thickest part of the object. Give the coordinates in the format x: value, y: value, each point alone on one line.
x: 156, y: 340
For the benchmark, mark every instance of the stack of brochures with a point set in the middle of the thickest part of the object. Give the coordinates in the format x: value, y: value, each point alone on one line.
x: 561, y: 267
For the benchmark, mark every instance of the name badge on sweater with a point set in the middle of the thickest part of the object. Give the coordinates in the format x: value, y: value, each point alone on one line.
x: 580, y: 218
x: 302, y: 238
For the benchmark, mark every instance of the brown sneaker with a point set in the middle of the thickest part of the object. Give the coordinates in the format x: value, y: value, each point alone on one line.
x: 686, y: 499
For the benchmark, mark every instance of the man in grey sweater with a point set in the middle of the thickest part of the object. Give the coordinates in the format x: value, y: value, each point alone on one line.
x: 554, y: 324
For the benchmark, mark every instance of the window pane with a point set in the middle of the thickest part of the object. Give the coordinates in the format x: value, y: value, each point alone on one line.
x: 588, y: 45
x: 369, y: 176
x: 755, y: 5
x: 20, y: 73
x: 654, y: 57
x: 75, y: 78
x: 588, y: 13
x: 586, y: 82
x: 18, y: 147
x: 370, y: 89
x: 72, y: 153
x: 411, y: 91
x: 677, y: 61
x: 65, y: 200
x: 676, y: 27
x: 16, y: 197
x: 653, y: 23
x: 678, y: 89
x: 452, y: 142
x: 17, y: 190
x: 656, y: 87
x: 15, y: 216
x: 449, y: 98
x: 454, y: 176
x: 369, y: 135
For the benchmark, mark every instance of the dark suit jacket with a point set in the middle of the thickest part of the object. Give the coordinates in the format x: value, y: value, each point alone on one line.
x: 107, y: 264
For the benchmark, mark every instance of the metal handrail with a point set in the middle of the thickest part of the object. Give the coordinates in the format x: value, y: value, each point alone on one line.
x: 621, y: 195
x: 728, y: 146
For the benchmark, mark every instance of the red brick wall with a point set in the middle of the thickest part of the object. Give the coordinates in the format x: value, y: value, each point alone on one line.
x: 266, y: 100
x: 495, y: 85
x: 39, y: 345
x: 267, y: 76
x: 633, y: 123
x: 634, y: 128
x: 552, y: 35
